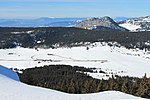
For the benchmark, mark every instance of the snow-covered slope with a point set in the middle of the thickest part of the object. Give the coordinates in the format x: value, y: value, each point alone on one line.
x: 14, y: 90
x: 112, y: 60
x: 130, y: 26
x: 136, y: 24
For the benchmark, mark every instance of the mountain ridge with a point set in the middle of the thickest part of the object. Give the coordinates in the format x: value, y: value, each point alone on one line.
x: 124, y: 23
x: 103, y: 23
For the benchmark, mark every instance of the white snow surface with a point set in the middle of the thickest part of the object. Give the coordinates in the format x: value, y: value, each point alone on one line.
x: 112, y: 60
x: 22, y: 32
x: 14, y: 90
x: 130, y: 27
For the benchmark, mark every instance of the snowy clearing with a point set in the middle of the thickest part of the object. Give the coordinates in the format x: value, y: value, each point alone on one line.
x: 112, y: 60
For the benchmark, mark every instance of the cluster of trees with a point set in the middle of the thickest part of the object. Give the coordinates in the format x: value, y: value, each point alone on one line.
x: 73, y: 79
x: 68, y: 36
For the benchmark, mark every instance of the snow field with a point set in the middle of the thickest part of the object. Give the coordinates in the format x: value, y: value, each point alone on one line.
x: 112, y: 60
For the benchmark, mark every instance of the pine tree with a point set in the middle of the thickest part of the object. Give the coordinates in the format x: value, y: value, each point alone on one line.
x: 125, y: 87
x: 143, y: 90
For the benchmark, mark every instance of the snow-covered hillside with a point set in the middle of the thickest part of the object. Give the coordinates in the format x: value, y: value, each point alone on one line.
x: 112, y: 60
x: 130, y: 27
x: 14, y: 90
x: 136, y: 24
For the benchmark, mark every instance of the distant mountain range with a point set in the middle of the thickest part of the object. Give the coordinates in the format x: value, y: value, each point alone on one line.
x: 103, y: 23
x: 40, y: 22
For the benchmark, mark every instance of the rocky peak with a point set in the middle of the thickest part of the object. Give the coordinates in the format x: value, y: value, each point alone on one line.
x: 100, y: 24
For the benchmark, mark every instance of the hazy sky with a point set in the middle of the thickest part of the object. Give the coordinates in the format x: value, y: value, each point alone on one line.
x: 73, y: 8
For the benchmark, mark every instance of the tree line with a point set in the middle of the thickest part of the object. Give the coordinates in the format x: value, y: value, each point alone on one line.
x: 66, y: 36
x: 74, y: 79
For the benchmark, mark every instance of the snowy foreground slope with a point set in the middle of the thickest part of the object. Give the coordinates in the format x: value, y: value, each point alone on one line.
x: 14, y: 90
x: 112, y: 60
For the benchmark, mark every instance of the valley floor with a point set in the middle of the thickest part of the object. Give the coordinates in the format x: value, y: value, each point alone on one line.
x: 112, y: 60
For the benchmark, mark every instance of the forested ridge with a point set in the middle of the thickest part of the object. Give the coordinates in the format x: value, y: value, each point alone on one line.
x: 47, y: 37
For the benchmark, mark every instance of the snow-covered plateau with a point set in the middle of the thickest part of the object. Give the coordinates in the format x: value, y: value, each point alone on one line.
x: 112, y: 60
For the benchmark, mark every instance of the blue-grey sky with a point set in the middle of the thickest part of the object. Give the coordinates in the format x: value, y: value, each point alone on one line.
x: 73, y: 8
